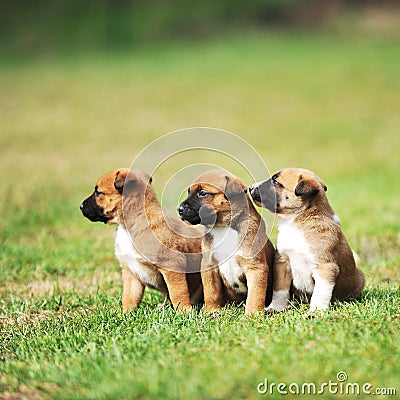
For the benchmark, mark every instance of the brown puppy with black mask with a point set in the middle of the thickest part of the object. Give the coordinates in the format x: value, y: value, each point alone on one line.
x: 312, y: 252
x: 155, y: 249
x: 237, y: 255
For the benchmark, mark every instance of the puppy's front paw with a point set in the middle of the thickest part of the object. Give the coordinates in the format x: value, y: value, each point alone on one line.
x: 212, y: 311
x: 278, y: 304
x: 252, y: 313
x: 184, y: 309
x: 129, y: 307
x: 275, y: 308
x: 317, y: 305
x: 315, y: 309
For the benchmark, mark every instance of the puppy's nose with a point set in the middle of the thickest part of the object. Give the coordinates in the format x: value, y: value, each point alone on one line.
x: 253, y: 189
x: 254, y: 192
x: 180, y: 209
x: 81, y: 206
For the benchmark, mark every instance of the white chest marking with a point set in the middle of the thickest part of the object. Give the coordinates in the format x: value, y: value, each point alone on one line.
x: 292, y: 243
x: 129, y: 256
x: 225, y: 249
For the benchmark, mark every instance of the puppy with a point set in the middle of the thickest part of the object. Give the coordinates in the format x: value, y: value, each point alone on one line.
x: 154, y: 248
x: 312, y: 253
x: 237, y: 254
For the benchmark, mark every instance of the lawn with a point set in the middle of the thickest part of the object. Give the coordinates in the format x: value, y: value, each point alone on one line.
x: 324, y: 103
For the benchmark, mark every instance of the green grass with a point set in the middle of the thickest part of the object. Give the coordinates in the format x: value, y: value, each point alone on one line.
x: 323, y: 103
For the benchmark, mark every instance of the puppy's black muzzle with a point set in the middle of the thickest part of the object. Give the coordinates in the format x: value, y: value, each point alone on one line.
x: 92, y: 211
x: 188, y: 213
x: 255, y: 193
x: 264, y: 194
x: 192, y: 211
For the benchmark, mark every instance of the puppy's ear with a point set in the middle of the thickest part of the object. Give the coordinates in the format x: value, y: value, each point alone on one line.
x: 306, y: 187
x: 233, y: 187
x: 124, y: 179
x: 148, y: 178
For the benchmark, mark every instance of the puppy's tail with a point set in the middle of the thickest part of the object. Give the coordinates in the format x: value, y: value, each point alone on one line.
x: 359, y: 281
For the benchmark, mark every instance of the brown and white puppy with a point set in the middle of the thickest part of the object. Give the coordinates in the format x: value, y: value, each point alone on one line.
x: 312, y: 253
x: 237, y: 255
x: 155, y: 249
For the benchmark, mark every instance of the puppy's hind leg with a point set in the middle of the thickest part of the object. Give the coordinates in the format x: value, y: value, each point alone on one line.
x: 359, y: 280
x: 282, y: 277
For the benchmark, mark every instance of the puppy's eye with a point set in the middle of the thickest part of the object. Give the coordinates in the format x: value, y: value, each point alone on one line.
x: 202, y: 193
x: 274, y: 182
x: 97, y: 192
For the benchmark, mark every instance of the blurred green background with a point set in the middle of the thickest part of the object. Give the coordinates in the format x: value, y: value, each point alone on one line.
x: 85, y: 85
x: 31, y: 28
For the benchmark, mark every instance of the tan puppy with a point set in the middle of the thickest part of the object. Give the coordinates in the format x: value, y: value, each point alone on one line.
x: 312, y: 252
x: 237, y: 254
x: 154, y: 248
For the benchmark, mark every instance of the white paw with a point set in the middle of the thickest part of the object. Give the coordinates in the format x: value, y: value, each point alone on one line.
x: 276, y: 307
x: 317, y: 307
x: 280, y: 301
